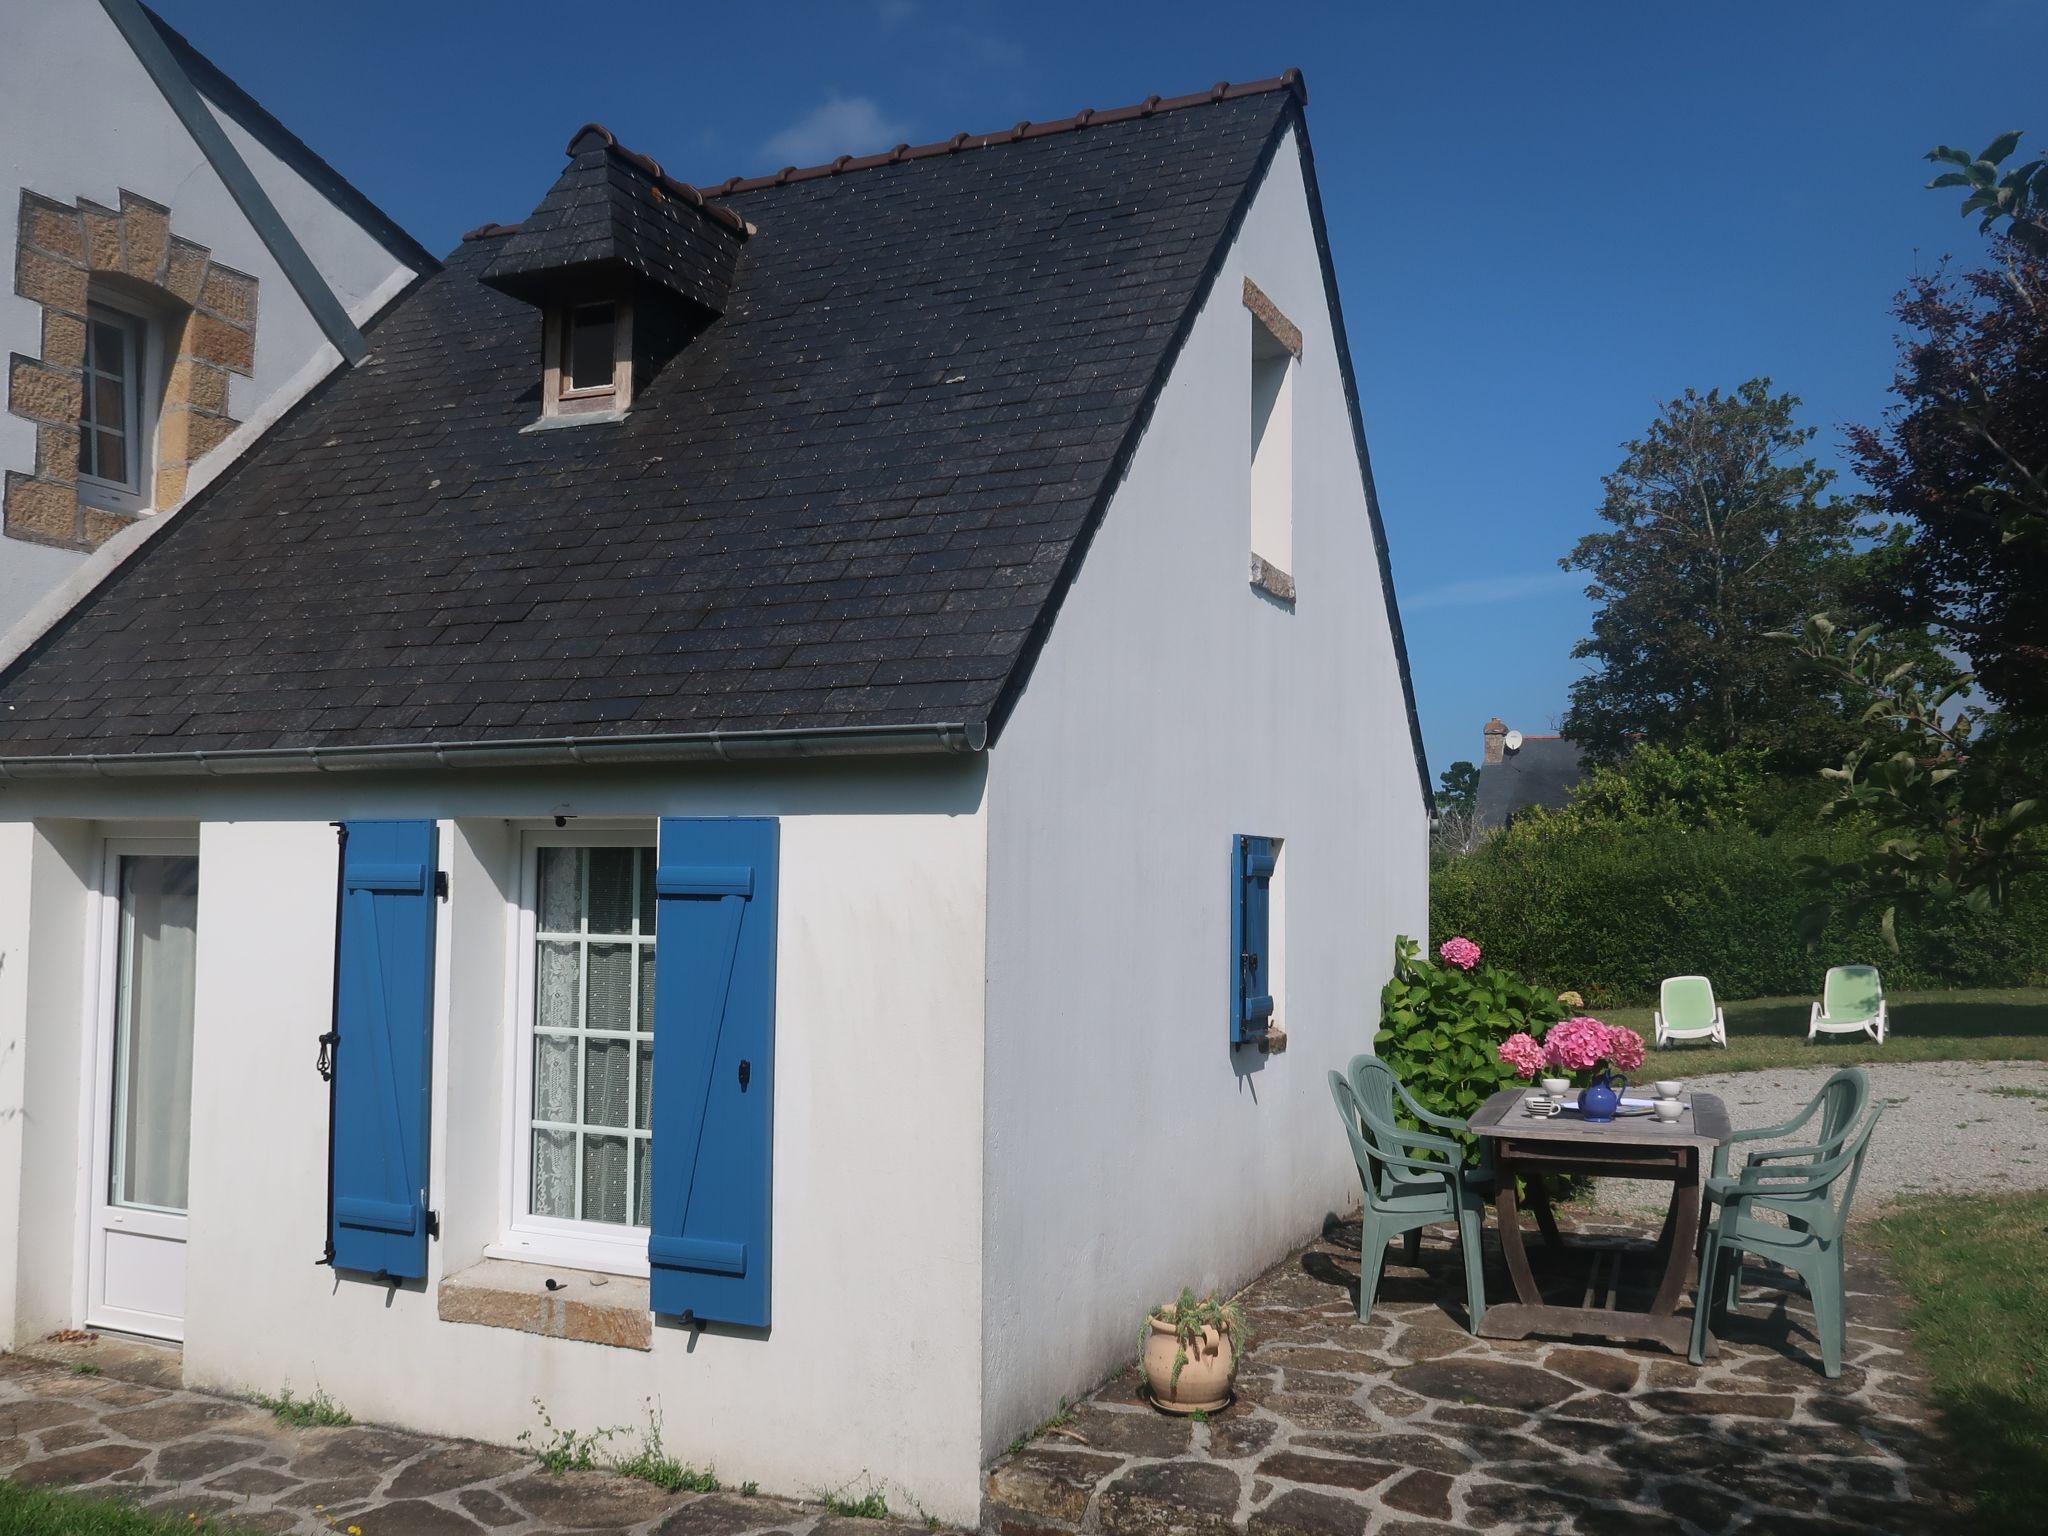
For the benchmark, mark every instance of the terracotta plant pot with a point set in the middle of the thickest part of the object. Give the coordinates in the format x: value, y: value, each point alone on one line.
x: 1205, y: 1376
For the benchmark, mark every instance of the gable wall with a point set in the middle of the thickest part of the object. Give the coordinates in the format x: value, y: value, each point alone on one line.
x: 1130, y: 1150
x: 80, y: 118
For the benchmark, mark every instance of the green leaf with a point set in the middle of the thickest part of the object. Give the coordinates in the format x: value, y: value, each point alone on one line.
x: 1949, y: 179
x: 2001, y: 146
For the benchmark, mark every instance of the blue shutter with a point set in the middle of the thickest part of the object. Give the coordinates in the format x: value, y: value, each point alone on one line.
x: 383, y: 1050
x: 1251, y: 937
x: 714, y: 1069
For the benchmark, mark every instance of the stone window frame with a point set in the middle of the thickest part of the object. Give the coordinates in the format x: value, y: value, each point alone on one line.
x: 203, y: 320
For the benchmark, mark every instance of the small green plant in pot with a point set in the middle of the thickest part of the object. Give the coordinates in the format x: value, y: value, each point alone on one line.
x: 1189, y: 1352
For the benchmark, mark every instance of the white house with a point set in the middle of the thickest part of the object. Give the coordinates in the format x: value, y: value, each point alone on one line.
x: 863, y: 707
x: 184, y: 271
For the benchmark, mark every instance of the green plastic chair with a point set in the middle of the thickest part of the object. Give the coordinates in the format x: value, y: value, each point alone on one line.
x: 1839, y: 1103
x: 1810, y: 1246
x: 1852, y: 1002
x: 1411, y: 1179
x: 1687, y: 1011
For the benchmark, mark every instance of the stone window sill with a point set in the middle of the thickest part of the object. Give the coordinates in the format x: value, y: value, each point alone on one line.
x: 584, y: 1308
x: 1271, y: 580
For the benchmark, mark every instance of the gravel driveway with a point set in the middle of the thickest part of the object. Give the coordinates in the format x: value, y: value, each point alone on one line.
x: 1950, y: 1127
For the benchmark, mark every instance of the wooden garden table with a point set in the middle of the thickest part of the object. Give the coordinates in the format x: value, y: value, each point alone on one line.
x: 1631, y: 1147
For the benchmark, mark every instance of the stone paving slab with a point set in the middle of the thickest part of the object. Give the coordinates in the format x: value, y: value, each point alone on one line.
x: 136, y: 1437
x: 1409, y: 1426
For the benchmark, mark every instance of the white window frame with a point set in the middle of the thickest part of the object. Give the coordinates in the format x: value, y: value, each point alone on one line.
x: 145, y: 402
x: 607, y: 1247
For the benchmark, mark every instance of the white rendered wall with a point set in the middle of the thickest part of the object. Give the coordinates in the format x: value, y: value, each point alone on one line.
x: 878, y: 1136
x: 1130, y: 1151
x: 56, y: 55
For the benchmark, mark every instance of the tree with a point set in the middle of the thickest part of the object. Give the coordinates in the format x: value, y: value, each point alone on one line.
x: 1458, y: 788
x: 1951, y: 462
x: 1720, y: 532
x: 2020, y: 196
x: 1953, y: 794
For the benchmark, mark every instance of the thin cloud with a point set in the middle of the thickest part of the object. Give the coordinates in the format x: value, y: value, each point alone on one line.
x: 893, y: 13
x: 1478, y: 590
x: 840, y: 125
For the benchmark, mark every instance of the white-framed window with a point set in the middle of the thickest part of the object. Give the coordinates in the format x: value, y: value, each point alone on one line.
x: 117, y: 417
x: 589, y: 359
x: 583, y: 1049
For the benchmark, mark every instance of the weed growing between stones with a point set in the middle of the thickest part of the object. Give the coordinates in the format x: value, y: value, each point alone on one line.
x: 305, y: 1412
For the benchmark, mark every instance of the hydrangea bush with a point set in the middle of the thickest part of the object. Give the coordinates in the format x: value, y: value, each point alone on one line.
x: 1576, y: 1047
x: 1443, y: 1025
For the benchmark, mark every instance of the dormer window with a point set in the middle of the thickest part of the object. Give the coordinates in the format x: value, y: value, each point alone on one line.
x: 590, y: 359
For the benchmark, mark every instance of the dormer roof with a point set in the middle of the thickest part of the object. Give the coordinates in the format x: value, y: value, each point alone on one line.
x: 613, y: 216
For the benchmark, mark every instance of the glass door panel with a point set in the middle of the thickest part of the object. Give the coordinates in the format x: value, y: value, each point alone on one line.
x: 152, y: 1121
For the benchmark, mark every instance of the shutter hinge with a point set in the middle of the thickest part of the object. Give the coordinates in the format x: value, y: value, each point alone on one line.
x: 433, y: 1223
x: 441, y: 884
x: 324, y: 1062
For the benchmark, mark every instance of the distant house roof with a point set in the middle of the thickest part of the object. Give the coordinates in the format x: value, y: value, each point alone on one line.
x: 850, y: 504
x: 1542, y: 772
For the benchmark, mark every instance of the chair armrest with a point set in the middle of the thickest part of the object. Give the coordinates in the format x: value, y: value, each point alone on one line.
x: 1785, y: 1128
x: 1778, y: 1153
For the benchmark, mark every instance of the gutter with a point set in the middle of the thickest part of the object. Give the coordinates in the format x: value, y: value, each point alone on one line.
x: 563, y: 752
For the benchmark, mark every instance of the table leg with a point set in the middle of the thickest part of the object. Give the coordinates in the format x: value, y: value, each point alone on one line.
x: 1546, y: 1218
x: 1508, y: 1217
x: 1682, y: 1222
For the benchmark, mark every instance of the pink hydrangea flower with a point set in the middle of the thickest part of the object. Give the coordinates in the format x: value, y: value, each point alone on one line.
x: 1521, y: 1052
x: 1625, y: 1049
x: 1576, y: 1045
x: 1462, y: 953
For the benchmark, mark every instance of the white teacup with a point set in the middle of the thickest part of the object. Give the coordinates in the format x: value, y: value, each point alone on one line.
x: 1541, y: 1104
x: 1668, y: 1110
x: 1557, y: 1087
x: 1669, y: 1088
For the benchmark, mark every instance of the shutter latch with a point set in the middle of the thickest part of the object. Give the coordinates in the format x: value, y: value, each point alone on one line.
x: 746, y: 1074
x: 324, y: 1062
x: 441, y: 884
x: 433, y: 1223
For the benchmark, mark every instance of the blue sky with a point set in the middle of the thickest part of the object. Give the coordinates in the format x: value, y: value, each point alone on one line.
x: 1546, y: 217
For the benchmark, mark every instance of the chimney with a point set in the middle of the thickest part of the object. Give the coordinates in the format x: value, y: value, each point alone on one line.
x: 1496, y: 741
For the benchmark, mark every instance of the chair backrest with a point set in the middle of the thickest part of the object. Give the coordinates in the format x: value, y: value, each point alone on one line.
x: 1842, y: 1099
x: 1347, y: 1109
x: 1852, y: 992
x: 1837, y: 1216
x: 1365, y: 1097
x: 1687, y: 1002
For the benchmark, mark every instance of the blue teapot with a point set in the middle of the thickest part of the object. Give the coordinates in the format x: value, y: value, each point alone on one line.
x: 1603, y: 1098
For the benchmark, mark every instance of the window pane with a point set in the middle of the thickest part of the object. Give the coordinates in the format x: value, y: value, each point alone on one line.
x: 554, y: 1173
x: 610, y: 1005
x: 561, y: 889
x: 644, y: 1089
x: 110, y: 348
x: 109, y: 403
x: 554, y: 1078
x: 607, y: 1071
x: 647, y: 892
x: 153, y: 1030
x: 604, y: 1178
x: 554, y: 994
x: 611, y: 890
x: 643, y: 1163
x: 87, y: 464
x: 590, y: 347
x: 113, y: 456
x: 646, y: 989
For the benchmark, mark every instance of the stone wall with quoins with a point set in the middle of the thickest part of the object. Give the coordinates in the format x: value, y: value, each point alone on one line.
x: 208, y: 316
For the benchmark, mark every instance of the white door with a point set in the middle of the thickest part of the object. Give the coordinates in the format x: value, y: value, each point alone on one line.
x: 143, y: 1105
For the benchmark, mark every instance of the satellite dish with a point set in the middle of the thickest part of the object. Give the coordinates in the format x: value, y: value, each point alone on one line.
x: 1513, y: 742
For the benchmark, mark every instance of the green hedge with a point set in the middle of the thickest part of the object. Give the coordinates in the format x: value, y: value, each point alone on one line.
x: 1610, y: 912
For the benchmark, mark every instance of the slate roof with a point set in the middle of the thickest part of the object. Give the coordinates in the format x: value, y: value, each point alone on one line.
x: 613, y: 210
x: 851, y: 503
x: 1541, y: 772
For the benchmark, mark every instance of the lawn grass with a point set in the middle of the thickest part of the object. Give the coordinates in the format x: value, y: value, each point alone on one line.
x: 1989, y: 1024
x: 1976, y: 1270
x: 33, y: 1512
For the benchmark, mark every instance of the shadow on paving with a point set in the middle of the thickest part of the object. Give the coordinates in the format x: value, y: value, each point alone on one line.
x: 1409, y: 1425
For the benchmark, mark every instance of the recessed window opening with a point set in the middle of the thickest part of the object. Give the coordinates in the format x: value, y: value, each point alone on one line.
x: 587, y: 359
x: 117, y: 409
x: 1272, y: 449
